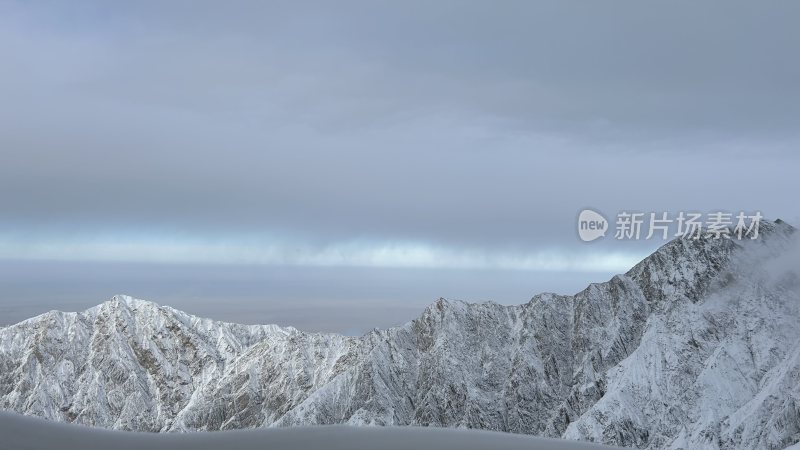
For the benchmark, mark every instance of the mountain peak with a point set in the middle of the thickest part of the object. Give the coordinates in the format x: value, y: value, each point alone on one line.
x: 130, y: 301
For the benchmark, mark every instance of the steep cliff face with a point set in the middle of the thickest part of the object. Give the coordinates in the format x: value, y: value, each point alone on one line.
x: 696, y: 346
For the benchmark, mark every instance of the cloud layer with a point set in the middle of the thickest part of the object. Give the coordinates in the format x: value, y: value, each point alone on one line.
x: 374, y: 134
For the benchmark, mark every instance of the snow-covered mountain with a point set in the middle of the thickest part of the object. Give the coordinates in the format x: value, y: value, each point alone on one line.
x: 697, y: 346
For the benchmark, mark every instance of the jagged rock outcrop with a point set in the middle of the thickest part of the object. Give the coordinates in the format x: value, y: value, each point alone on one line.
x: 697, y: 346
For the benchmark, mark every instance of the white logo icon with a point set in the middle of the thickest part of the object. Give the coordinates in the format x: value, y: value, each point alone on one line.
x: 591, y: 225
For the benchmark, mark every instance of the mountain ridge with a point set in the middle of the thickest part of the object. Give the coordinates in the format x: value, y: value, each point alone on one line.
x: 609, y: 364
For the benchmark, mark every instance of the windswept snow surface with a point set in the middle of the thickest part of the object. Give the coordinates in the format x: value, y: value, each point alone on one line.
x: 27, y: 433
x: 697, y: 346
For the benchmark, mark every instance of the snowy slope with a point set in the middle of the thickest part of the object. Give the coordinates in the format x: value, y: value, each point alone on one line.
x: 28, y: 433
x: 694, y: 347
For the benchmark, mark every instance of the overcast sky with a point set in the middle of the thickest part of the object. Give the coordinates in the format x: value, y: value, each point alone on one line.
x: 296, y: 152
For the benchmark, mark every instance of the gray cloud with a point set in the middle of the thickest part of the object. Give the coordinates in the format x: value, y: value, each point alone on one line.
x: 462, y: 118
x: 467, y: 125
